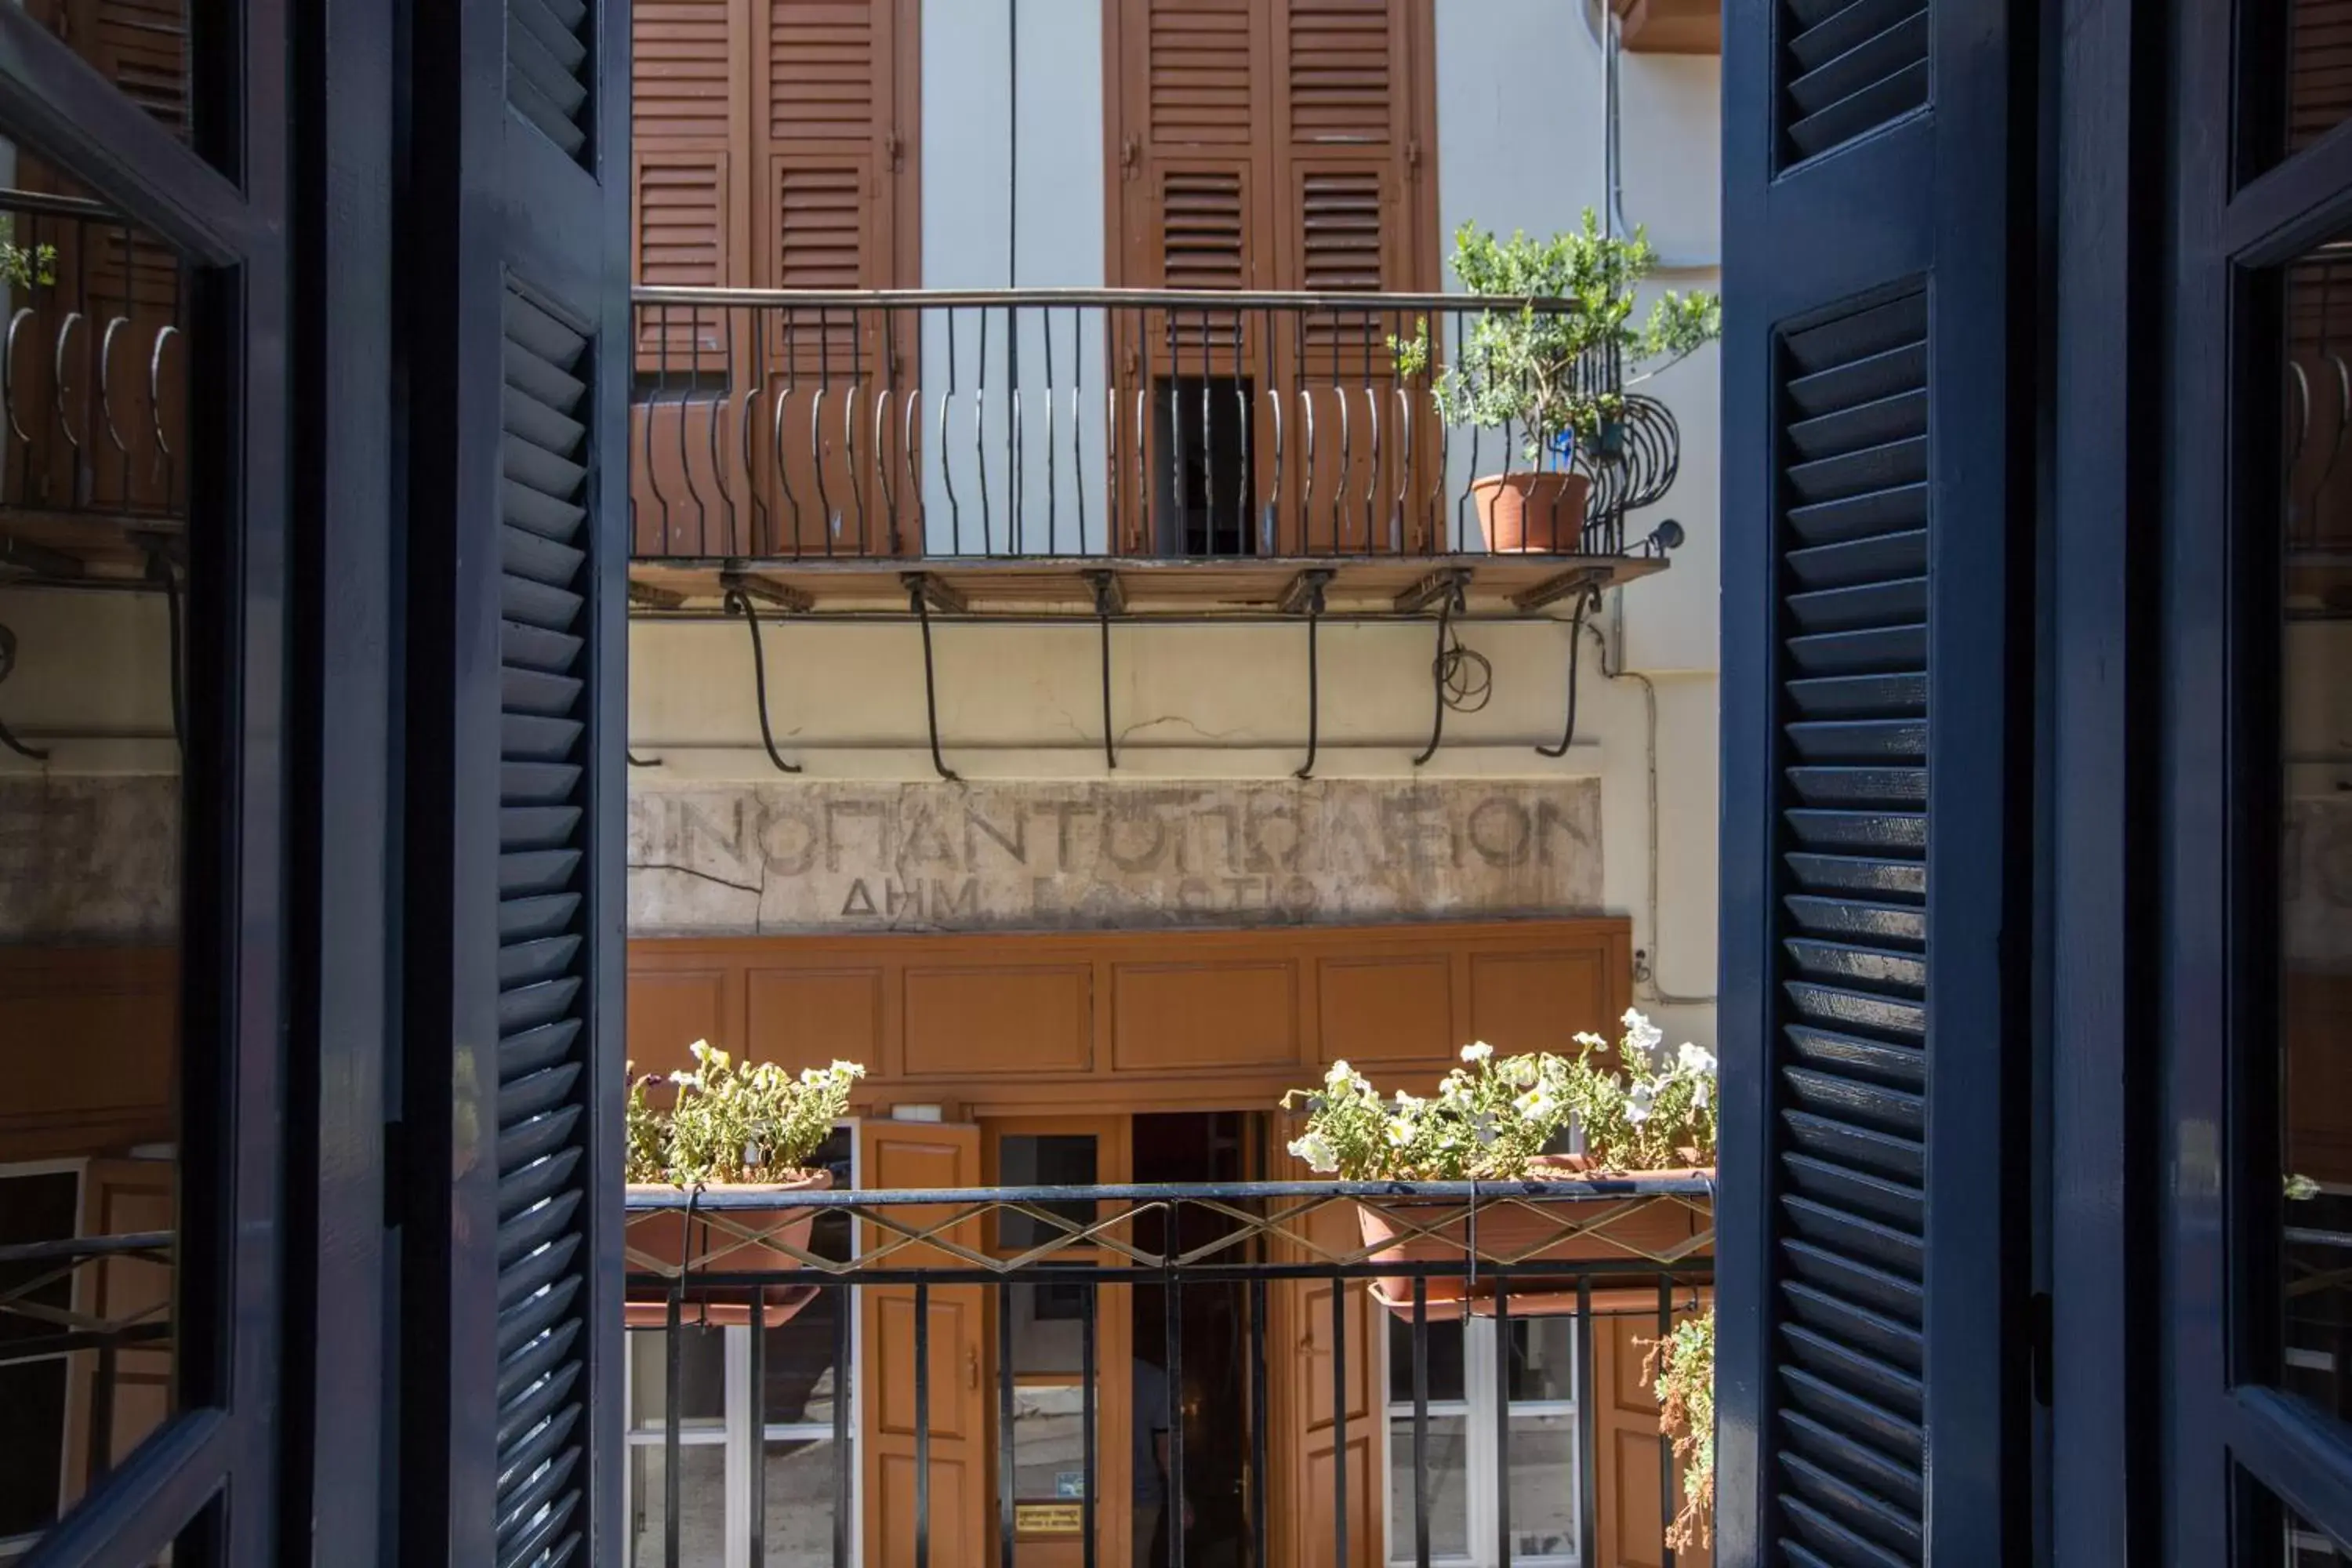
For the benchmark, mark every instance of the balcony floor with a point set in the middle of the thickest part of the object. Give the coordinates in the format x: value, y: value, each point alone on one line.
x: 1494, y: 586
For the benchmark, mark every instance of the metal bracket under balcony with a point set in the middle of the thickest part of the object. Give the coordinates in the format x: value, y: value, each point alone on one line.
x: 1493, y: 587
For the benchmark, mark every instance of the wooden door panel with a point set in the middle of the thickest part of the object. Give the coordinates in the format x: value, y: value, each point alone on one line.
x: 895, y: 1154
x: 671, y: 1009
x: 1630, y: 1531
x: 1303, y: 1440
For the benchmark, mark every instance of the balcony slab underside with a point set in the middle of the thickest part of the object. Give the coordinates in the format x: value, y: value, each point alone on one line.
x: 1482, y: 586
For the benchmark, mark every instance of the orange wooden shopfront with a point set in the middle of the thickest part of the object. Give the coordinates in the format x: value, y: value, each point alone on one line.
x: 1005, y: 1037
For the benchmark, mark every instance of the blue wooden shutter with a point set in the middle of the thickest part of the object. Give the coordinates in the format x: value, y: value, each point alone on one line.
x: 547, y: 1066
x: 1872, y: 1385
x: 518, y: 515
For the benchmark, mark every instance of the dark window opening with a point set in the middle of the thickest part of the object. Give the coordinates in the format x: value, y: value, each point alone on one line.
x: 1203, y: 467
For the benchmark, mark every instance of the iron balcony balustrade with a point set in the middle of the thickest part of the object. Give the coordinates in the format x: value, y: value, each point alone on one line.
x: 1035, y: 450
x: 93, y: 407
x: 930, y: 1247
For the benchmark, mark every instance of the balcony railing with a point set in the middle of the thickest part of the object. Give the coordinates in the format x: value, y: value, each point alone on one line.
x: 1072, y: 425
x: 93, y: 393
x: 1476, y: 1368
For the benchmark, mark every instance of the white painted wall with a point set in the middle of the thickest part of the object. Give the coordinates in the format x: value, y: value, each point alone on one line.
x: 1051, y: 235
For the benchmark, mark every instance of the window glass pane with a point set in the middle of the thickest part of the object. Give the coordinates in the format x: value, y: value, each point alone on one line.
x: 1543, y: 1359
x: 2280, y: 1538
x: 702, y: 1376
x: 1448, y: 1463
x: 1044, y: 1160
x: 1446, y: 1370
x: 1543, y: 1485
x: 95, y: 541
x: 803, y: 1479
x: 701, y: 1505
x: 2318, y: 49
x: 1049, y: 1463
x: 2313, y: 735
x: 802, y: 1380
x: 1048, y: 1327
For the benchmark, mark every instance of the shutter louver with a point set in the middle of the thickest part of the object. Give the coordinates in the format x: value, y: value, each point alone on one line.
x: 1201, y: 58
x: 681, y: 242
x: 549, y: 64
x: 1203, y: 228
x: 1850, y: 1050
x: 1341, y: 87
x: 824, y: 66
x: 543, y: 1045
x: 1848, y: 68
x: 143, y: 48
x: 2319, y: 84
x: 1341, y: 227
x: 679, y: 77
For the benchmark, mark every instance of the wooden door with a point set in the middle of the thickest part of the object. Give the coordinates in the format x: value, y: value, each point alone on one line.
x: 1049, y: 1527
x: 899, y: 1154
x: 833, y: 98
x: 774, y: 150
x: 1307, y: 1459
x: 1276, y: 147
x: 1629, y: 1531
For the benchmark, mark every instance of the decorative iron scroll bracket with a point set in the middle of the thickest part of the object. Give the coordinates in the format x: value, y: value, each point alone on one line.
x: 1110, y: 599
x: 923, y: 590
x: 738, y: 602
x: 1588, y: 600
x: 7, y: 737
x: 1304, y: 594
x: 1448, y: 590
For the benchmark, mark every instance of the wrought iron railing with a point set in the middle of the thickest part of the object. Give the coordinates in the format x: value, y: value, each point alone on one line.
x: 93, y: 407
x: 1515, y: 1260
x: 1089, y: 423
x: 46, y: 1318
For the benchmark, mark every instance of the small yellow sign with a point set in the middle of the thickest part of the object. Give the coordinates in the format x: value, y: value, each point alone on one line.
x: 1048, y: 1518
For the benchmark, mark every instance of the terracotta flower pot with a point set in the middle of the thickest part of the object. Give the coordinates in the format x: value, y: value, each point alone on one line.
x: 734, y: 1240
x: 1532, y: 511
x: 1614, y: 1227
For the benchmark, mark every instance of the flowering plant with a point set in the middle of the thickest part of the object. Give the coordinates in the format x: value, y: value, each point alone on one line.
x: 1491, y: 1117
x: 733, y: 1125
x: 1681, y: 1367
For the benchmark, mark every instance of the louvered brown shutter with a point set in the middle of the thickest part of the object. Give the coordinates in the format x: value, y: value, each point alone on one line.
x: 684, y: 115
x: 1873, y: 1381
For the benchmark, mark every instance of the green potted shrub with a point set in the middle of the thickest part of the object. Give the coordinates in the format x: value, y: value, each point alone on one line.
x: 1553, y: 376
x: 724, y: 1127
x: 1512, y: 1120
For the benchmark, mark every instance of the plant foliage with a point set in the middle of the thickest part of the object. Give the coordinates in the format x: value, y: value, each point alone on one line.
x: 1549, y: 372
x: 24, y: 266
x: 733, y: 1125
x: 1681, y: 1367
x: 1492, y: 1116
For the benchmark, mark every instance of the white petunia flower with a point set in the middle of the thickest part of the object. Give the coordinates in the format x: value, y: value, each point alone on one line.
x: 1695, y: 1058
x: 1536, y: 1104
x: 1317, y: 1151
x: 1642, y: 1036
x: 1340, y: 1073
x: 1588, y: 1038
x: 1399, y: 1132
x: 1638, y: 1103
x: 1700, y: 1093
x: 1477, y: 1051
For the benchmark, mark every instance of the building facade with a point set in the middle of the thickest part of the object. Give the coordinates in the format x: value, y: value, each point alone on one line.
x: 1140, y: 909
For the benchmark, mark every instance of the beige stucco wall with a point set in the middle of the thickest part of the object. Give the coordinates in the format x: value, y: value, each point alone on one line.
x: 1209, y: 719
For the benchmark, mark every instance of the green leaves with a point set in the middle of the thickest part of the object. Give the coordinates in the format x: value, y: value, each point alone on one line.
x: 1550, y: 372
x: 732, y: 1124
x: 1490, y: 1118
x: 1681, y: 1366
x: 24, y: 266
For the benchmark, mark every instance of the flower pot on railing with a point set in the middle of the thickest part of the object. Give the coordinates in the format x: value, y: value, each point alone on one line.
x: 1562, y: 1214
x: 691, y: 1132
x: 708, y: 1241
x: 1540, y: 512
